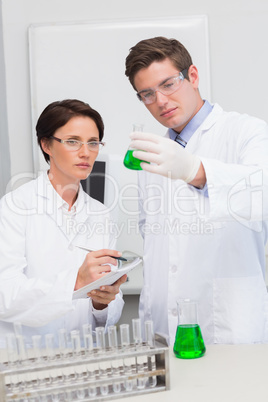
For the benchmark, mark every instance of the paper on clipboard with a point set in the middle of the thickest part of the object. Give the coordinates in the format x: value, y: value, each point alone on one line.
x: 107, y: 279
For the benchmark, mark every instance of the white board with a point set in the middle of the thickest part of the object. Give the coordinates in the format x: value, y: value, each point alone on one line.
x: 86, y: 61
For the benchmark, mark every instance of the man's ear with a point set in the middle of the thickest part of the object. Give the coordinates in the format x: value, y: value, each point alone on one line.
x: 193, y: 76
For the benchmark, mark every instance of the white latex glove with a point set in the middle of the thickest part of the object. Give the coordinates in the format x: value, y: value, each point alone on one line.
x: 167, y: 158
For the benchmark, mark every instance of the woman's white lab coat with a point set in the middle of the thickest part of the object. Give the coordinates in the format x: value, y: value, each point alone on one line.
x: 39, y: 260
x: 208, y: 245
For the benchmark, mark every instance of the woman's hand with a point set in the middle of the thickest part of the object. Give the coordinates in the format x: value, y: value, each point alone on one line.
x: 95, y: 266
x: 103, y: 296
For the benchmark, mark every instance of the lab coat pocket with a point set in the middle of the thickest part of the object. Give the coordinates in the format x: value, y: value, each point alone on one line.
x: 240, y: 310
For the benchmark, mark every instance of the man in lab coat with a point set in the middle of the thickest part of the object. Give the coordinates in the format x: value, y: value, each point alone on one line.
x: 203, y: 213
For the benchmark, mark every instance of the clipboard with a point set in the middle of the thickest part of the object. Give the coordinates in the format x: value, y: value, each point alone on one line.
x: 108, y: 279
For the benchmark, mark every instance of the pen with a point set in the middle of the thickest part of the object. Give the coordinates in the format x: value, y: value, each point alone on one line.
x: 87, y: 249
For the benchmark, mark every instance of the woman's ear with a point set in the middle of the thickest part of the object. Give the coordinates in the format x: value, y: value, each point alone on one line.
x: 45, y: 144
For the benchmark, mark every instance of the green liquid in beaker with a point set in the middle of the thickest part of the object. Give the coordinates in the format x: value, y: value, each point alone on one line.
x: 189, y: 342
x: 130, y: 162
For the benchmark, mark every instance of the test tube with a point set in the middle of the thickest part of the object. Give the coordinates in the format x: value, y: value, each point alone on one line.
x: 50, y: 355
x: 100, y: 338
x: 50, y: 351
x: 38, y: 357
x: 116, y: 364
x: 149, y: 339
x: 140, y: 360
x: 78, y: 369
x: 112, y: 337
x: 76, y: 344
x: 91, y: 367
x: 103, y: 366
x: 63, y: 343
x: 12, y: 349
x: 87, y: 339
x: 136, y: 328
x: 12, y: 353
x: 22, y: 355
x: 21, y: 349
x: 17, y: 328
x: 149, y: 333
x: 37, y: 348
x: 22, y: 359
x: 127, y: 361
x: 64, y: 353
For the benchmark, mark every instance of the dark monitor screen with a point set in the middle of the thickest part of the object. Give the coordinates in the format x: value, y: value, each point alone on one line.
x: 94, y: 185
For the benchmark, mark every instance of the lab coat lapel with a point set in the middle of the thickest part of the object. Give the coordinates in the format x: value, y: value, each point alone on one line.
x: 82, y: 215
x: 194, y: 142
x: 48, y: 202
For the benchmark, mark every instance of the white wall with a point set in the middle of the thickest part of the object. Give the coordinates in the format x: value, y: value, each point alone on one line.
x: 239, y: 57
x: 4, y: 140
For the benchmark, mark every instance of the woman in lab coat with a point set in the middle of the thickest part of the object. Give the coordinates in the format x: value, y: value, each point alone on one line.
x: 43, y: 221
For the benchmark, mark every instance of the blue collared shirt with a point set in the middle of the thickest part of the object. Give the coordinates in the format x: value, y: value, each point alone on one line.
x: 191, y: 128
x: 193, y: 124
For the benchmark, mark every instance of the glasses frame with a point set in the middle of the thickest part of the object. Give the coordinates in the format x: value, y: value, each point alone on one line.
x: 81, y: 143
x: 180, y: 76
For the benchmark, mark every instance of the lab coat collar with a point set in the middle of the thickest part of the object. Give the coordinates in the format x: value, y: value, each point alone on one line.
x: 209, y: 121
x: 52, y: 204
x: 46, y: 190
x: 211, y: 118
x: 205, y: 126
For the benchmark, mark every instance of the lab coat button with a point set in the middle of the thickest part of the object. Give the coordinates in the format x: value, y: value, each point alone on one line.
x: 174, y: 269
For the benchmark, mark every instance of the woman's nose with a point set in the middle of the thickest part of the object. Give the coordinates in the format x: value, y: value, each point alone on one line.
x: 84, y: 150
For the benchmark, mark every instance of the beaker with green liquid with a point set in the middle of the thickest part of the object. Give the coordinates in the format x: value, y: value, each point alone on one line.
x: 129, y: 161
x: 189, y: 343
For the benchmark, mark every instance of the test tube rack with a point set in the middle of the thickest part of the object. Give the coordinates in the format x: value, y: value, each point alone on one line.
x: 65, y: 378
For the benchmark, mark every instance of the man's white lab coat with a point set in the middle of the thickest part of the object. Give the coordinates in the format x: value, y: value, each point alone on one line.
x: 208, y: 245
x: 39, y: 261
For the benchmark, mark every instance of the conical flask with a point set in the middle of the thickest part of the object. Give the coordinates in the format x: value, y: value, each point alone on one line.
x: 129, y: 161
x: 189, y: 343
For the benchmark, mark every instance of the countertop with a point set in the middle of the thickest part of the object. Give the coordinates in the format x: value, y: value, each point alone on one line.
x: 226, y: 373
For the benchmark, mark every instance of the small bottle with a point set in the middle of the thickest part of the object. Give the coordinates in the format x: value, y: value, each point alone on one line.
x: 189, y: 343
x: 129, y: 161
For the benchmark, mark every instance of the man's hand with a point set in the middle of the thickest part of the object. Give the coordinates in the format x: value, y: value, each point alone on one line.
x: 167, y: 158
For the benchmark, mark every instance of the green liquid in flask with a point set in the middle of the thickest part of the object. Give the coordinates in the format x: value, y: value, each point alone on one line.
x: 189, y: 342
x: 130, y: 162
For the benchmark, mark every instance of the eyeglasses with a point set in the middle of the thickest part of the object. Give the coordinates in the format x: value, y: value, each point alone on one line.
x: 167, y: 87
x: 75, y: 145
